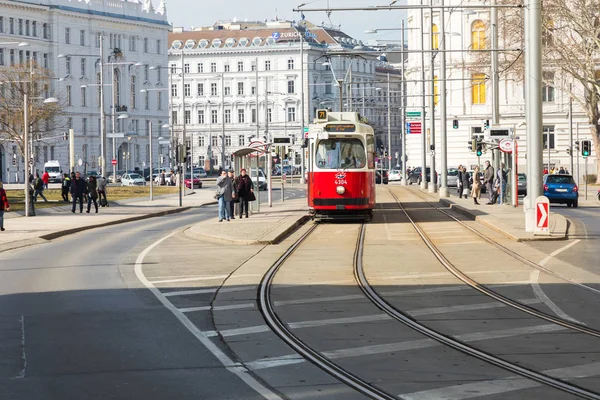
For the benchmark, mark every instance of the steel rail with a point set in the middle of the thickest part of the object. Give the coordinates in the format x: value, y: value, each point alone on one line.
x: 266, y: 307
x: 448, y: 340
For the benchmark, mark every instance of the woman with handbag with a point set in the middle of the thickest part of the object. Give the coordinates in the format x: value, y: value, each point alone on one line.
x: 476, y: 191
x: 234, y: 194
x: 245, y: 191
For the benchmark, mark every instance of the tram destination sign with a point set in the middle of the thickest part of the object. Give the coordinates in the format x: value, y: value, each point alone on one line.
x: 340, y: 128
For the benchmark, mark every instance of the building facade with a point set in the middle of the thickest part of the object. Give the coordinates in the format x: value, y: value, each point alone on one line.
x: 469, y: 93
x: 64, y: 37
x: 239, y: 83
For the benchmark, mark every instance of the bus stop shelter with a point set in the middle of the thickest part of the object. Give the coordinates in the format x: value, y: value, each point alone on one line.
x: 248, y: 158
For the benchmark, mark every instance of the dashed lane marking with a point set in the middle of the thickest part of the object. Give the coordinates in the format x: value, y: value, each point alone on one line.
x: 404, y: 346
x: 363, y: 318
x: 498, y: 386
x: 210, y: 290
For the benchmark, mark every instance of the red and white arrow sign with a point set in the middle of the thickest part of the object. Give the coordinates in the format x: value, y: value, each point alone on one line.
x: 542, y: 215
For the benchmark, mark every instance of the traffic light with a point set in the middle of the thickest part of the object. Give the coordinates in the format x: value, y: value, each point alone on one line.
x: 473, y: 145
x: 181, y: 153
x: 479, y: 149
x: 486, y: 124
x: 568, y: 150
x: 188, y: 152
x: 586, y: 148
x: 432, y: 147
x: 455, y: 124
x: 14, y: 161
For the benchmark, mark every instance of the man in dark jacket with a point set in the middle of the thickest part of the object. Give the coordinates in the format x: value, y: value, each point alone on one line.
x: 38, y: 185
x: 78, y: 188
x: 488, y: 181
x: 245, y: 189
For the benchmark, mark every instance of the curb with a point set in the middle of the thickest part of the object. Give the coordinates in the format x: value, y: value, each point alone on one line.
x: 477, y: 218
x: 277, y: 239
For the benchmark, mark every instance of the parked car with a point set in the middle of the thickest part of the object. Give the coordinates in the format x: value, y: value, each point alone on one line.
x: 378, y: 177
x: 262, y: 180
x: 200, y: 172
x: 286, y: 169
x: 395, y: 175
x: 452, y: 177
x: 132, y: 179
x: 522, y: 184
x: 95, y: 174
x: 197, y: 181
x: 562, y: 189
x: 415, y: 176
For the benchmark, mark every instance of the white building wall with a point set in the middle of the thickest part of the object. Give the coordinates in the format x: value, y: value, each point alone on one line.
x: 119, y: 20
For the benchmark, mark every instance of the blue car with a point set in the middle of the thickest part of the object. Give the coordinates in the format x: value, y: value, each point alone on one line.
x: 560, y: 188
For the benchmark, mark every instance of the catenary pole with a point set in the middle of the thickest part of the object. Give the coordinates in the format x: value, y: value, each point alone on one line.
x: 443, y: 111
x: 423, y: 106
x: 302, y: 105
x: 402, y: 108
x: 432, y: 175
x: 151, y: 160
x: 102, y: 111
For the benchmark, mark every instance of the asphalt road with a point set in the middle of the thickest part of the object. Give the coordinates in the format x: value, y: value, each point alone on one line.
x: 75, y: 323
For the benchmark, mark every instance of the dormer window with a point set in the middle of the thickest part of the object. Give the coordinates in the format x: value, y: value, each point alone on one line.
x: 230, y: 42
x: 190, y: 44
x: 203, y: 44
x: 216, y: 43
x: 177, y: 44
x: 243, y: 42
x: 270, y: 41
x: 257, y: 41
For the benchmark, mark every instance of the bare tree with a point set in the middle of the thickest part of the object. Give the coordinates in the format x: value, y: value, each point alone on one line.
x: 571, y: 50
x: 43, y: 118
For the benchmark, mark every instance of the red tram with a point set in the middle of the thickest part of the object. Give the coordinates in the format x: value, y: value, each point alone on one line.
x: 341, y: 176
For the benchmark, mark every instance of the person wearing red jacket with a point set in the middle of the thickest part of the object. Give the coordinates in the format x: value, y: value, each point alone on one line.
x: 4, y: 206
x: 45, y: 179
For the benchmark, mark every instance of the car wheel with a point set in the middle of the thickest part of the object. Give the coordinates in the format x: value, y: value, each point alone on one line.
x: 575, y: 203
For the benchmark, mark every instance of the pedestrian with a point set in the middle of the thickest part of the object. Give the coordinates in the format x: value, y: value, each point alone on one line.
x: 163, y: 180
x: 46, y: 179
x: 459, y: 187
x: 245, y: 191
x: 178, y: 178
x: 225, y: 190
x: 92, y: 194
x: 38, y: 186
x: 78, y: 188
x: 4, y: 206
x: 66, y: 185
x: 476, y: 191
x: 488, y: 181
x: 501, y: 178
x: 172, y: 178
x: 545, y: 171
x: 101, y: 187
x: 466, y: 183
x: 234, y: 195
x: 561, y: 170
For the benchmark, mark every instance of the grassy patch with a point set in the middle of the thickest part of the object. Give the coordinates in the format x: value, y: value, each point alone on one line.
x: 16, y: 198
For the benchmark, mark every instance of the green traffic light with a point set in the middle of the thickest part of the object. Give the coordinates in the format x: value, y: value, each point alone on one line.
x: 479, y: 153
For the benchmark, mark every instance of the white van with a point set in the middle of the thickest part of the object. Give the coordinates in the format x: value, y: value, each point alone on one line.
x: 52, y: 167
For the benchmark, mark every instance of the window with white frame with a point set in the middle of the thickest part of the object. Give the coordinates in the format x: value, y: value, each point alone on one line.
x: 253, y: 113
x: 67, y: 35
x: 240, y: 87
x: 227, y: 116
x: 147, y: 100
x: 186, y: 68
x: 201, y: 89
x: 214, y: 116
x: 83, y: 97
x: 241, y: 140
x: 174, y: 90
x: 213, y: 67
x: 267, y: 65
x: 200, y: 68
x: 548, y: 86
x: 240, y: 66
x: 227, y: 140
x: 69, y: 98
x: 253, y: 89
x: 145, y: 45
x: 187, y: 116
x: 200, y: 116
x: 201, y: 140
x: 174, y: 119
x: 83, y: 66
x: 269, y: 115
x: 68, y: 65
x: 133, y: 93
x: 84, y: 126
x: 82, y: 37
x: 215, y: 141
x: 548, y: 136
x: 226, y: 67
x: 241, y: 116
x: 290, y: 86
x: 291, y: 114
x: 158, y: 46
x: 290, y: 64
x: 159, y: 101
x: 213, y: 89
x: 227, y: 90
x: 187, y: 90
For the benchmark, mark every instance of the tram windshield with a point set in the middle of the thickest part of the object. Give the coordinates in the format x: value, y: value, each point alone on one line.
x: 339, y: 153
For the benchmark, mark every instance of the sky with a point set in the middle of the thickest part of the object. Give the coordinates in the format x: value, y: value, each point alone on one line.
x: 199, y: 13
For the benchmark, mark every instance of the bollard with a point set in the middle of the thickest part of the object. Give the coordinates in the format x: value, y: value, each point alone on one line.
x: 282, y: 191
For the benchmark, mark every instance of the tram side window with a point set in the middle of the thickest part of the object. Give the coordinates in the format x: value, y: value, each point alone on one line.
x: 340, y: 154
x: 371, y: 151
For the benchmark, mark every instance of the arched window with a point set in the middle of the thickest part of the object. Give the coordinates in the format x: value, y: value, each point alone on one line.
x: 478, y: 89
x: 435, y: 37
x: 478, y: 39
x: 133, y: 91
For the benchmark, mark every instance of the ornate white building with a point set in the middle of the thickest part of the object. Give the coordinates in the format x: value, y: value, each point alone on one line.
x: 64, y: 36
x: 241, y: 82
x: 469, y: 93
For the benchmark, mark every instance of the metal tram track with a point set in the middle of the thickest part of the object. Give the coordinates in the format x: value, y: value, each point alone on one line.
x: 450, y: 341
x: 265, y: 304
x: 491, y: 293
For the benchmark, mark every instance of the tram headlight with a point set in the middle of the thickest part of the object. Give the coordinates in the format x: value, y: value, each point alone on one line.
x: 340, y: 190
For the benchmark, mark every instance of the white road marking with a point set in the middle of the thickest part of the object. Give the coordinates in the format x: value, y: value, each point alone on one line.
x: 231, y: 365
x: 537, y: 289
x: 196, y: 278
x: 23, y: 354
x: 211, y: 290
x: 404, y: 346
x: 363, y: 318
x: 497, y: 386
x: 440, y: 274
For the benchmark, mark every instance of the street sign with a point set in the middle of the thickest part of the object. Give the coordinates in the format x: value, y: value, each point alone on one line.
x: 414, y: 128
x: 284, y: 177
x: 305, y: 130
x: 164, y: 142
x: 80, y: 162
x: 413, y: 115
x: 115, y: 135
x: 506, y: 145
x: 542, y: 216
x: 257, y: 145
x: 113, y: 162
x: 390, y: 158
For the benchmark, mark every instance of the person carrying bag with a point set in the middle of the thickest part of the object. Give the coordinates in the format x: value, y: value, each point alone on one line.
x: 245, y: 191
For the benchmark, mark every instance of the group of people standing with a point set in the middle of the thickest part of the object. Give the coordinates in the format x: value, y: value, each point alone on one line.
x: 495, y: 183
x: 80, y: 190
x: 231, y: 190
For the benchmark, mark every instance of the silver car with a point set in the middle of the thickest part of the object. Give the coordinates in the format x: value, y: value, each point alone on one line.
x: 452, y: 177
